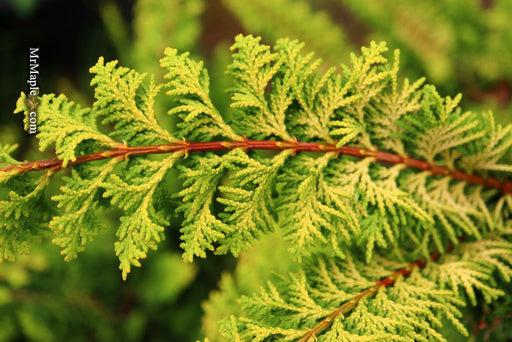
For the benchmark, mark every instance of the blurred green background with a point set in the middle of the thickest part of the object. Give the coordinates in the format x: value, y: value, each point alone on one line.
x: 459, y: 45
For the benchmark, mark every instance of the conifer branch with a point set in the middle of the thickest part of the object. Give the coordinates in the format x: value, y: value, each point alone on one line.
x: 124, y: 151
x: 361, y: 193
x: 369, y: 292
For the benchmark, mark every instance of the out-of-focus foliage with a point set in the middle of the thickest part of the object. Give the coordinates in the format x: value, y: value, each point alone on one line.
x: 43, y: 298
x: 301, y: 22
x: 451, y: 42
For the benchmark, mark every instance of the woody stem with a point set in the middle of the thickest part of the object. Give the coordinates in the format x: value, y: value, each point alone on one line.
x: 124, y: 151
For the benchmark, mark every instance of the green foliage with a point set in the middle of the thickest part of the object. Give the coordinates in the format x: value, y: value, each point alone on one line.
x: 164, y: 23
x: 6, y: 159
x: 64, y: 124
x: 21, y: 225
x: 189, y: 88
x: 43, y: 298
x: 252, y: 272
x: 498, y: 143
x: 421, y: 29
x: 253, y: 68
x: 156, y: 25
x: 458, y: 45
x: 123, y: 97
x: 319, y: 212
x: 200, y: 227
x: 136, y: 193
x: 248, y: 199
x: 413, y: 309
x: 81, y: 220
x: 345, y: 221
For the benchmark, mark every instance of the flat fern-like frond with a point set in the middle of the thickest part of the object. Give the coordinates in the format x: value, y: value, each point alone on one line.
x: 189, y: 87
x: 136, y: 193
x: 440, y: 130
x: 498, y: 151
x: 253, y: 68
x: 476, y: 271
x: 314, y: 210
x: 21, y: 225
x: 126, y: 98
x: 248, y: 200
x: 80, y: 221
x: 66, y: 125
x: 201, y: 229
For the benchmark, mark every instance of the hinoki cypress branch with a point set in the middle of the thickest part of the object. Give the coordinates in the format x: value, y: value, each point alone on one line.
x: 186, y: 147
x: 348, y: 209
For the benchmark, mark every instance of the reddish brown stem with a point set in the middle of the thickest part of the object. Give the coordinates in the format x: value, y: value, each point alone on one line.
x: 124, y: 151
x: 385, y: 282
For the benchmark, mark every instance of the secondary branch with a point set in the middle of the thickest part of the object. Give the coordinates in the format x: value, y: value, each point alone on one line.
x: 369, y: 292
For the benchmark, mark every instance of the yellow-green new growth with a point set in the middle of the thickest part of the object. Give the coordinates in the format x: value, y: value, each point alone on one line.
x: 66, y: 125
x: 379, y: 177
x: 126, y: 98
x: 189, y: 85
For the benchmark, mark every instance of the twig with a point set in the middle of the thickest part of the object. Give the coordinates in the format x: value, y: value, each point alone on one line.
x: 124, y: 151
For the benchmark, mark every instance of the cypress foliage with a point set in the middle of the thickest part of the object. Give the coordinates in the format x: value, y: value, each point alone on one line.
x: 394, y: 203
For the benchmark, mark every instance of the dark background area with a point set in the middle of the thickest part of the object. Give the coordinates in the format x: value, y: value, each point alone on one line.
x: 70, y: 36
